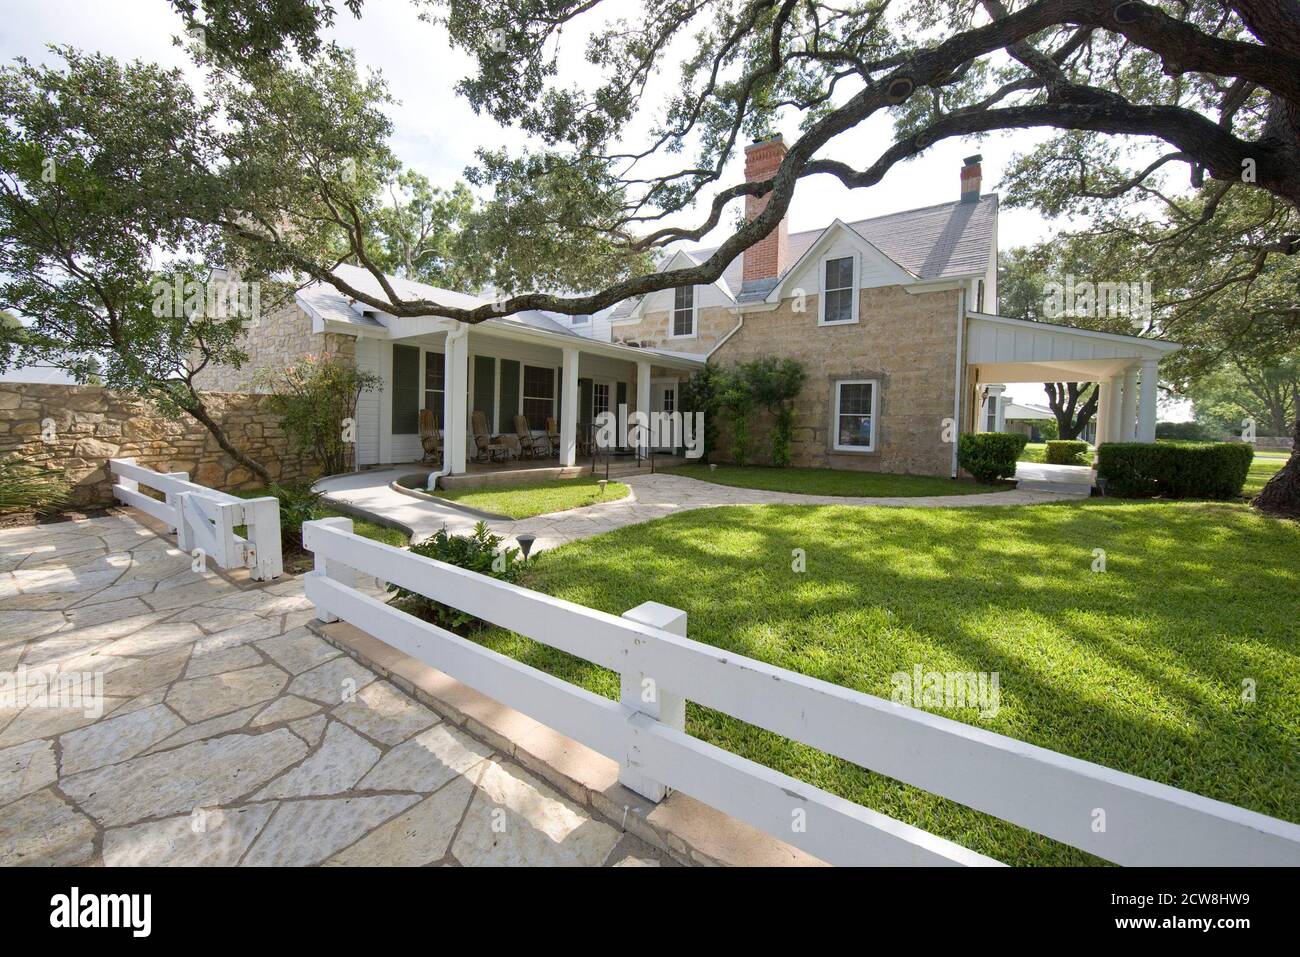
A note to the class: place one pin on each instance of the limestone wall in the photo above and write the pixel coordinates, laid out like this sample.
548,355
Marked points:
906,342
91,424
651,332
273,342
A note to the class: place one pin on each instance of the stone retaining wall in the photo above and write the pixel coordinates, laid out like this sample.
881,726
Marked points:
91,424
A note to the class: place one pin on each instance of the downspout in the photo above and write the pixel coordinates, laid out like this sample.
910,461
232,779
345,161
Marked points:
453,335
961,356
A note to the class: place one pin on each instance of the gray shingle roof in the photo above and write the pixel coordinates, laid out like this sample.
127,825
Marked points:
936,242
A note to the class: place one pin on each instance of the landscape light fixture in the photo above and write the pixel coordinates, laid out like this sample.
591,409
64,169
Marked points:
525,544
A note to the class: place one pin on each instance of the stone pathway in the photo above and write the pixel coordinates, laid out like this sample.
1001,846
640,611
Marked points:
653,496
216,729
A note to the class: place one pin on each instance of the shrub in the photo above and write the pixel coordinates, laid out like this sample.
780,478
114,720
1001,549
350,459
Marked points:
1067,452
990,455
1186,432
1174,469
480,552
298,504
775,384
26,488
314,398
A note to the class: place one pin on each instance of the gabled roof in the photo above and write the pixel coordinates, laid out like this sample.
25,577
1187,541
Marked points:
936,242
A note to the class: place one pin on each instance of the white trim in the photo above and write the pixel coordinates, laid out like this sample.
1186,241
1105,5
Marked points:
835,414
695,314
904,276
524,366
1160,345
854,290
957,383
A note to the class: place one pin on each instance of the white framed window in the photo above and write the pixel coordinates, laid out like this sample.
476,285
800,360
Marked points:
856,402
538,396
991,412
579,320
839,291
683,313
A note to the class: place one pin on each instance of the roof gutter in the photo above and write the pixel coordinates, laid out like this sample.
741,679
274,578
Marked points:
957,377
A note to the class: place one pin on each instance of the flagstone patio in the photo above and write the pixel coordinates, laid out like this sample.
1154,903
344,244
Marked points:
230,734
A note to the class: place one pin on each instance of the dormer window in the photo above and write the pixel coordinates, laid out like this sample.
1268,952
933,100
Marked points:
683,319
839,301
581,320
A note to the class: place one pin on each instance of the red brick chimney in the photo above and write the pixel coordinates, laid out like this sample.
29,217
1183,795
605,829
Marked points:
971,179
769,257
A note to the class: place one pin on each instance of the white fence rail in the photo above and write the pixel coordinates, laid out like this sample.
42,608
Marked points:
204,518
1064,798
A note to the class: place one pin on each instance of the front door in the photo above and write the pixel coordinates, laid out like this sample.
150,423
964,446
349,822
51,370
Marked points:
664,397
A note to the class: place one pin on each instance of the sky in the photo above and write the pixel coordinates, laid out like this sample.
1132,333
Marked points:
436,132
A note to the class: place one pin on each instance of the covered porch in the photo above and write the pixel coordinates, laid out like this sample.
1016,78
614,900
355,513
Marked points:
505,397
1001,351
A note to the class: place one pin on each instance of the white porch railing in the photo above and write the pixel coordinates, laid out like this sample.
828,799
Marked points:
204,518
1145,823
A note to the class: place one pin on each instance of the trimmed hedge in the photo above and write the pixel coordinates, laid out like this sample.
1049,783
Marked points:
1174,469
990,456
1067,452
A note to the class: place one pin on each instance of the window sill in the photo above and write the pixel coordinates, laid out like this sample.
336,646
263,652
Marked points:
853,450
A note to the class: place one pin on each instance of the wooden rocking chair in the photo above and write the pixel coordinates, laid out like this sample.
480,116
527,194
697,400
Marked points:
553,436
488,448
430,438
529,445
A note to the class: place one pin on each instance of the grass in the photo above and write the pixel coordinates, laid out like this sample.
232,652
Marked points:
1265,465
302,561
830,481
1034,452
1139,668
536,498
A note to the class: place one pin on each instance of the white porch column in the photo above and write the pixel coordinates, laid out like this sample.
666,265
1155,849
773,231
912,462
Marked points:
643,401
455,403
1128,412
1146,428
1113,431
1104,398
570,411
993,400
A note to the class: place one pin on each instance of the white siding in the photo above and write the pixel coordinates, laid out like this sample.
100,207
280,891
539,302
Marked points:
368,404
874,268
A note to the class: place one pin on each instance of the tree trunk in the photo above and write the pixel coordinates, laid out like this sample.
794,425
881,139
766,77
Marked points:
1281,496
200,412
1063,398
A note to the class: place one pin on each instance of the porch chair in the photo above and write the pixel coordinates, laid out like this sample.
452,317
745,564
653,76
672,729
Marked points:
488,448
430,437
553,436
529,445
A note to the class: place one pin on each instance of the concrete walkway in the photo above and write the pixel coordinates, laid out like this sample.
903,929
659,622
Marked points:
1076,480
652,496
195,720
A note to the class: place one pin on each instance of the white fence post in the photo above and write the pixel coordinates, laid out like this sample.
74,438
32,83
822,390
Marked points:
262,517
329,568
173,501
641,693
130,485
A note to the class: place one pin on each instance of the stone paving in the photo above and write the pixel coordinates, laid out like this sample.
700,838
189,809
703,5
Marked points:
652,496
221,731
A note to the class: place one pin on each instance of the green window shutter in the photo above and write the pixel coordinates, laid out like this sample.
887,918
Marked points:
485,387
406,390
584,401
509,395
559,395
620,397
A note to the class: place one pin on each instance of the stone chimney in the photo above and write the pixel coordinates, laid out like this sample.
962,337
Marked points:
769,257
971,178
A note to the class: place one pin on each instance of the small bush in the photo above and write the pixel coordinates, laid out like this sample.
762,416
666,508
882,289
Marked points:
26,488
1067,452
480,552
1174,469
990,456
298,504
1186,432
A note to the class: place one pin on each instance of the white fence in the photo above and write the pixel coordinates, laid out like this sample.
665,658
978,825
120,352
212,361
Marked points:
1116,816
205,518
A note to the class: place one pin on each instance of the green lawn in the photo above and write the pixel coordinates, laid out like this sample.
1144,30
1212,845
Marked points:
536,498
1261,470
1139,667
830,481
1034,452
